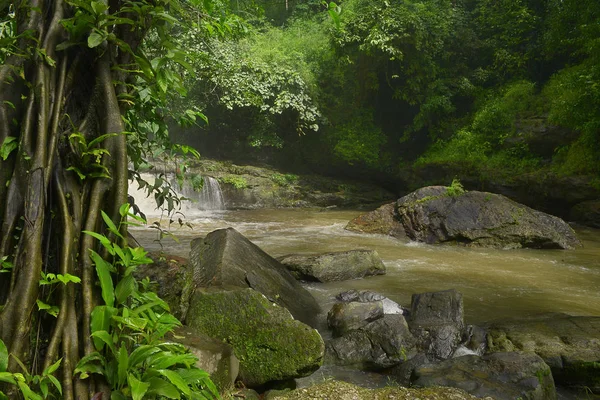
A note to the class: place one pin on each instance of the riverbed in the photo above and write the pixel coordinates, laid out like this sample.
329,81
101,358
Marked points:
495,283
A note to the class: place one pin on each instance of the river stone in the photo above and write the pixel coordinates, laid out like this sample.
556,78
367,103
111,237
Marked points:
383,221
570,345
214,356
502,376
226,257
336,266
473,218
269,343
346,317
366,296
437,322
339,390
170,278
380,344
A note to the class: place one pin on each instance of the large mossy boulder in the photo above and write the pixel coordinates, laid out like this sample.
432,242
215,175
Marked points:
439,214
339,390
335,266
269,343
214,356
226,258
570,345
502,376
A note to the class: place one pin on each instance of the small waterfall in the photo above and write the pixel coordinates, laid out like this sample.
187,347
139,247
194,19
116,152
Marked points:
209,198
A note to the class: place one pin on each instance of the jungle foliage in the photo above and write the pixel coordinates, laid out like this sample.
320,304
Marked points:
379,86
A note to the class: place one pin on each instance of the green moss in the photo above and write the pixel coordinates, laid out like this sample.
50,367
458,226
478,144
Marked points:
237,182
269,344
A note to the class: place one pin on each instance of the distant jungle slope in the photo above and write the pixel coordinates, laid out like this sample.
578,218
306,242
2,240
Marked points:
503,94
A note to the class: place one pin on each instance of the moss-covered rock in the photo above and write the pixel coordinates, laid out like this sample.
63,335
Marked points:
338,390
269,343
226,257
570,345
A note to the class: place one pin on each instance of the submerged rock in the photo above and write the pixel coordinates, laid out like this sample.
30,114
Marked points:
503,376
336,266
226,257
570,345
269,343
338,390
436,214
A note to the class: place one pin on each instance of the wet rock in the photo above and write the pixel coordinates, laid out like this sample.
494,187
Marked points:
214,356
366,296
437,322
474,342
269,343
170,278
346,317
336,266
339,390
226,257
383,221
503,376
570,345
380,344
433,215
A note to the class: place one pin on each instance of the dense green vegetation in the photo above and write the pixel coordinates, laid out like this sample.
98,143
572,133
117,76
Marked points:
479,88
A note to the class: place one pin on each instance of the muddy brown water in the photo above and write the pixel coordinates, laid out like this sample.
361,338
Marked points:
495,283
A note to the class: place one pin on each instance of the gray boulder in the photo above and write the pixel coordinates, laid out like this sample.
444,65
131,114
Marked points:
586,213
269,343
433,215
346,317
214,356
225,257
336,266
502,376
437,321
379,344
570,345
438,214
366,296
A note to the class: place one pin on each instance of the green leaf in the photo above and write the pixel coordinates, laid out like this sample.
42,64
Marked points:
100,321
160,387
123,364
98,7
111,226
66,278
9,144
140,354
124,289
27,392
7,377
95,38
3,357
103,240
106,338
56,383
134,323
176,380
106,283
138,388
50,370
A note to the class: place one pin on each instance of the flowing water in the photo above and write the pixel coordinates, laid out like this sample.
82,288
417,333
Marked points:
495,283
